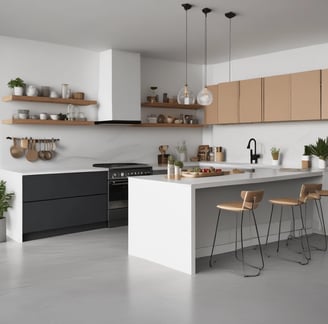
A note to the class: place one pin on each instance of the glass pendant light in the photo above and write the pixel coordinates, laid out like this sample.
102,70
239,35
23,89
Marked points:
205,96
185,95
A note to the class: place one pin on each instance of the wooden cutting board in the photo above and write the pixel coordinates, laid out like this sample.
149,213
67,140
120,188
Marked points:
190,174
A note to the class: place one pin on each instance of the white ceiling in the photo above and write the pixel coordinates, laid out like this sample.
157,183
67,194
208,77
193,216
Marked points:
156,28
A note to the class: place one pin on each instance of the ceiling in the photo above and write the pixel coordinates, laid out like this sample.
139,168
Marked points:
156,28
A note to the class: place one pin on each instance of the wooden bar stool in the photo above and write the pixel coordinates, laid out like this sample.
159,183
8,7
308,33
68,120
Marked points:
251,200
292,202
316,196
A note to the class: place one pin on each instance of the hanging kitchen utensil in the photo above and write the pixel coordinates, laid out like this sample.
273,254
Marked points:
16,151
41,151
32,154
47,153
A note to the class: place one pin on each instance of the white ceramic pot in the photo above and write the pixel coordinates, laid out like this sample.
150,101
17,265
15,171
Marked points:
3,229
18,91
322,164
275,162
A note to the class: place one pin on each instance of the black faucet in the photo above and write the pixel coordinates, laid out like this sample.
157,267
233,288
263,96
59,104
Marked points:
253,156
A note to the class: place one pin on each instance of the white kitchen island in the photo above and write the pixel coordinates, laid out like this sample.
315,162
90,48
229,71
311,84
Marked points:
172,222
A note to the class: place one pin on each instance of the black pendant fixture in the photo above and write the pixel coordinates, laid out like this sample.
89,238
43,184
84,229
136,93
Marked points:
185,95
205,96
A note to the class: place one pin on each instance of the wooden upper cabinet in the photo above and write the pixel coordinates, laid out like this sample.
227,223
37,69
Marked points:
305,95
228,102
276,102
250,101
211,111
324,94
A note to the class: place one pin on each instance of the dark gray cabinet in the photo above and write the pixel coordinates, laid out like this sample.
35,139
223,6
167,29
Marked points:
63,203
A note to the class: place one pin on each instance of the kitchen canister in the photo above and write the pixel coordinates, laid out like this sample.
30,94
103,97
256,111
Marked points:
65,90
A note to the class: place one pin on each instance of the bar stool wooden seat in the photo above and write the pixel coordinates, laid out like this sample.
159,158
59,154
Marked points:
251,200
316,196
306,189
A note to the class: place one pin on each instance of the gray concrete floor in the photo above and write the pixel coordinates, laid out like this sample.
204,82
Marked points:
88,278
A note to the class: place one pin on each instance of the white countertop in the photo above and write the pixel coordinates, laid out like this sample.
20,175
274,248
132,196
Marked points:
259,176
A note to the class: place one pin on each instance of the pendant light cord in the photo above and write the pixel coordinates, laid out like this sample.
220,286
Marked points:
229,50
186,83
205,11
230,15
205,72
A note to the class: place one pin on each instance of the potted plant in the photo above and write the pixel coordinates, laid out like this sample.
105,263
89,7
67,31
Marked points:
18,85
178,165
275,155
320,149
5,203
306,158
170,167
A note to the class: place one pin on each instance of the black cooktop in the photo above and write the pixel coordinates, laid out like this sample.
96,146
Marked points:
120,165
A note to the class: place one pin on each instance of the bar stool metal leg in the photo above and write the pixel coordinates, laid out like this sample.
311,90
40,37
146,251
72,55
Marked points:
259,240
322,223
280,219
308,258
216,230
267,237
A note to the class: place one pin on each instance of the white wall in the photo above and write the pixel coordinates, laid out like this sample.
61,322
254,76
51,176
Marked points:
290,137
41,63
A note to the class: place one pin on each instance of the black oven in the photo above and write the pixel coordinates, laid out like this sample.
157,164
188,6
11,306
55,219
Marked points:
118,174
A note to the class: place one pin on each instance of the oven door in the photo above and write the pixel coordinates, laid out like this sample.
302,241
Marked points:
118,194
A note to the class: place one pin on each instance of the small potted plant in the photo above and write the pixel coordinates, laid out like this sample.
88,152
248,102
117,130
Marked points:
170,167
5,203
178,165
275,155
17,85
306,158
320,149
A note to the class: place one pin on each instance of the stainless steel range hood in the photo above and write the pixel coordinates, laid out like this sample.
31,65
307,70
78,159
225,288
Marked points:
119,88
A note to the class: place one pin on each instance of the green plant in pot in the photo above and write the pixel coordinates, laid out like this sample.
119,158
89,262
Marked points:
5,204
320,149
18,85
275,153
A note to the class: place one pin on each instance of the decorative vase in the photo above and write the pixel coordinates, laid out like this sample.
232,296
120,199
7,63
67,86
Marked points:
3,229
182,156
322,164
18,91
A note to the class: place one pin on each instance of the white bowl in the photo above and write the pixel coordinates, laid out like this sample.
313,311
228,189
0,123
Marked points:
152,120
54,117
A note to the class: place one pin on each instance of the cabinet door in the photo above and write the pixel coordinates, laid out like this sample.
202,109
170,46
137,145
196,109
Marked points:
277,98
305,95
324,94
250,101
211,111
228,102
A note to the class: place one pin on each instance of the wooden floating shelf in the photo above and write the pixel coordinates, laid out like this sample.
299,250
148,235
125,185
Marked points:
163,125
47,122
169,105
78,102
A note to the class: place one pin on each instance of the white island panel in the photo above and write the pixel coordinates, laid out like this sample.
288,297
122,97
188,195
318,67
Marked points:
161,223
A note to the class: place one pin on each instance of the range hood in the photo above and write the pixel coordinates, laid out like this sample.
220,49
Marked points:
119,88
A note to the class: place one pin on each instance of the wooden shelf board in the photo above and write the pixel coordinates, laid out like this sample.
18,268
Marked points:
169,105
47,122
77,102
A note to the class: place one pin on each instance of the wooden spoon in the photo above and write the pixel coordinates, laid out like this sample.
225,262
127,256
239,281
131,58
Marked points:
16,151
32,154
